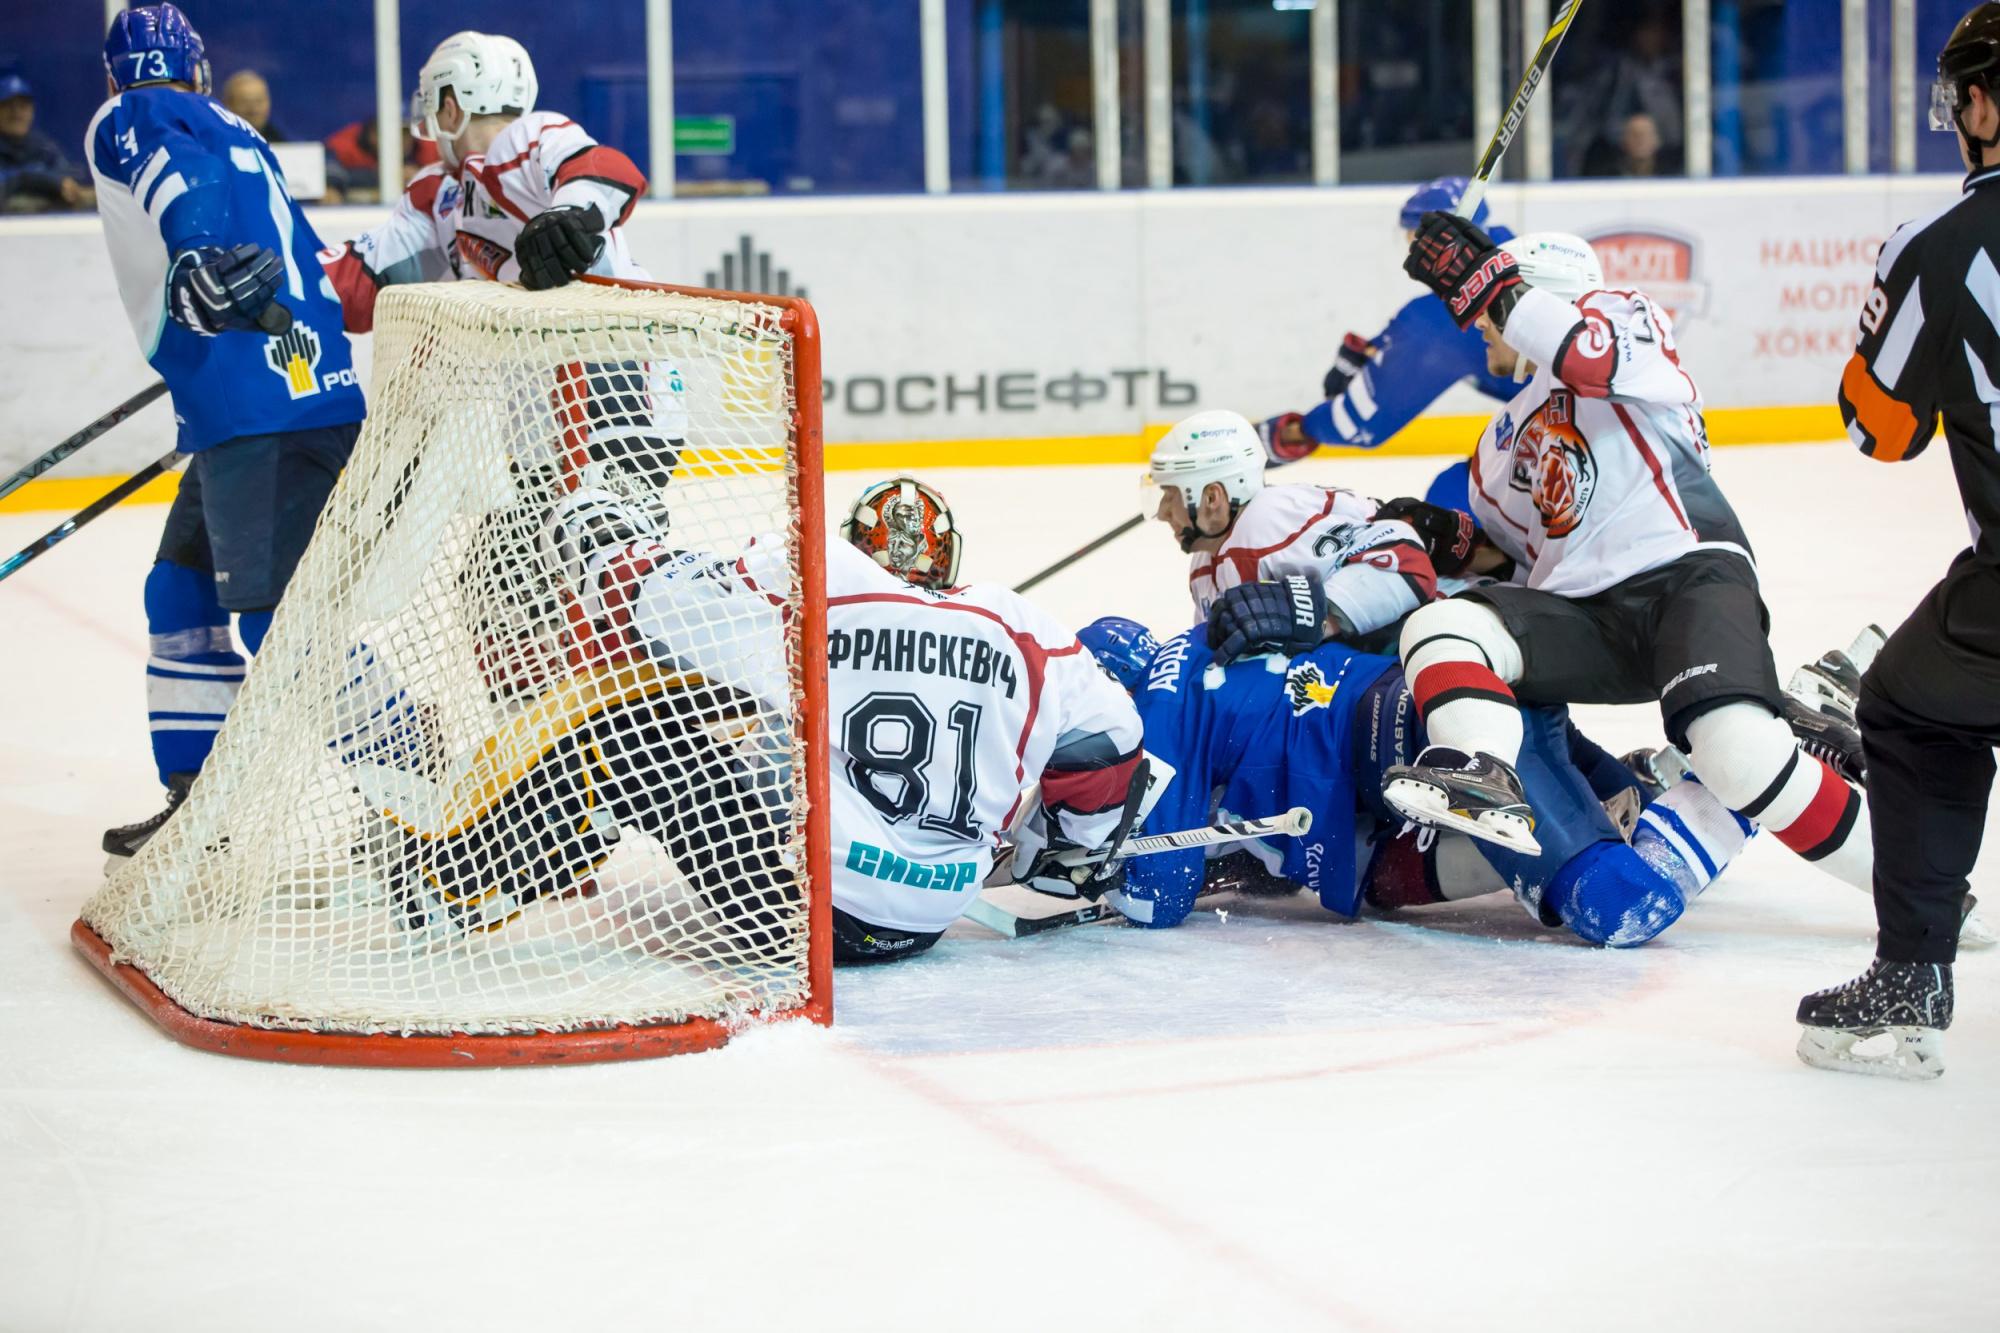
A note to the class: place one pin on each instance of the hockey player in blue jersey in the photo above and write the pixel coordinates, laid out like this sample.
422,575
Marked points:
220,278
1265,734
1379,385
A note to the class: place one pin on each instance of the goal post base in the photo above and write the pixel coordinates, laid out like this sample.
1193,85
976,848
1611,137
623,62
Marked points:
383,1050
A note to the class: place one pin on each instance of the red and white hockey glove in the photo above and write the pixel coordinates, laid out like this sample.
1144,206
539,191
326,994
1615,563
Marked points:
1285,439
1355,353
1470,274
1449,535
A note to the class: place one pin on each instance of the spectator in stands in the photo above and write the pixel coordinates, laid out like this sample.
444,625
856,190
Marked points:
1638,151
1597,108
246,93
352,166
34,174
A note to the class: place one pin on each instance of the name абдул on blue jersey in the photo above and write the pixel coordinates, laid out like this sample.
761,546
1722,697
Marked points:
177,171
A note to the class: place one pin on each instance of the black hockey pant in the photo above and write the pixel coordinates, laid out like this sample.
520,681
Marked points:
1930,717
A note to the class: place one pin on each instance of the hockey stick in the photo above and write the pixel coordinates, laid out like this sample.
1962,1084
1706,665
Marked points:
82,437
1295,822
1517,110
1080,552
88,512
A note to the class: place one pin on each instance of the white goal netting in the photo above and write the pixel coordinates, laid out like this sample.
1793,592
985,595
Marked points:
457,796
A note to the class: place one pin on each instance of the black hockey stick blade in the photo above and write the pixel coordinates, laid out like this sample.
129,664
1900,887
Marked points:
85,436
110,499
1517,110
1080,552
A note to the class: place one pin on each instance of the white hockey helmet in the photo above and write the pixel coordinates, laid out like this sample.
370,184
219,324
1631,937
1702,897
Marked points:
1219,446
1556,262
488,74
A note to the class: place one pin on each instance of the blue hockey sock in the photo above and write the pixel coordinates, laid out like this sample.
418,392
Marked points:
192,670
251,627
1687,833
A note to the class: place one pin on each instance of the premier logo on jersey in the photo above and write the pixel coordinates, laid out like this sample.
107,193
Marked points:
293,356
1307,687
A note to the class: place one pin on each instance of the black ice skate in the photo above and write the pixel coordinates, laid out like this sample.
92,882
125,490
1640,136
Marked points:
1833,683
1890,1021
1475,794
124,841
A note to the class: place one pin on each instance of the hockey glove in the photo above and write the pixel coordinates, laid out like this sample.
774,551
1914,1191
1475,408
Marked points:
1354,353
211,290
1285,440
1058,865
558,244
1449,535
1286,617
1471,275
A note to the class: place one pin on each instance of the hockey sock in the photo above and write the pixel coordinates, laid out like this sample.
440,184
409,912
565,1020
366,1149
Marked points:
1689,836
193,669
251,627
1610,895
1458,657
1462,702
1748,757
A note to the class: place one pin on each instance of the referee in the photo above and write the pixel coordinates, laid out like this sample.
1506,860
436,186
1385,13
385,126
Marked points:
1929,353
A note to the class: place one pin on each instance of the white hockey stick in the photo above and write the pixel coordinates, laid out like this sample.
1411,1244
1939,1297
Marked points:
1293,823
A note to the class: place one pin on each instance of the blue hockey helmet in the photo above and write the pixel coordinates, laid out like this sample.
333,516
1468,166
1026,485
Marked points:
1439,196
1124,648
155,44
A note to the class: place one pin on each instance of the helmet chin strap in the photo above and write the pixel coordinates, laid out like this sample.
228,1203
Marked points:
1192,533
1976,148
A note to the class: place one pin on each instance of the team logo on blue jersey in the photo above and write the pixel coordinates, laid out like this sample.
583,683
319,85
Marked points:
293,356
1307,687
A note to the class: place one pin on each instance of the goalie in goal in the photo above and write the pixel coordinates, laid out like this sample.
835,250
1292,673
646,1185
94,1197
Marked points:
949,707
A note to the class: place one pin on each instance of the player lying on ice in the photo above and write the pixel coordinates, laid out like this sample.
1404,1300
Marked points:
1318,730
947,705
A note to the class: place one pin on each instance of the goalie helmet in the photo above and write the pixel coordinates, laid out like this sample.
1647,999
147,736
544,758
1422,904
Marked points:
1557,263
155,44
488,75
905,527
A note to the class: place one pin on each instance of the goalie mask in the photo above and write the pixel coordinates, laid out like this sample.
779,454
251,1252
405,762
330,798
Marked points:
905,527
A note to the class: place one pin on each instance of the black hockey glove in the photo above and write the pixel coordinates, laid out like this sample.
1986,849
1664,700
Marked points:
1471,275
1285,439
558,244
1449,535
1287,617
211,290
1355,352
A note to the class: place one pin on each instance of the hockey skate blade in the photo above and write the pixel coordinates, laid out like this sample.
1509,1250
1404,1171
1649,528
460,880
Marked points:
1910,1053
1423,804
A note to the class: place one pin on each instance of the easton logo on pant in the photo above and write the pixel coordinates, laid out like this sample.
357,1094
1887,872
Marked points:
880,863
293,356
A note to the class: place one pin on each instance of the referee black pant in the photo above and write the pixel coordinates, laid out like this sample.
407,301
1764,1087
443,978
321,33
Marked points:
1930,717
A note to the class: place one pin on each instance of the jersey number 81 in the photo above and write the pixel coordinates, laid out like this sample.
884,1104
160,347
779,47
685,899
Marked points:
888,741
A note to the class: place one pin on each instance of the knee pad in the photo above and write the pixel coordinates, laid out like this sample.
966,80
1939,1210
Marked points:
1741,751
1608,895
1459,629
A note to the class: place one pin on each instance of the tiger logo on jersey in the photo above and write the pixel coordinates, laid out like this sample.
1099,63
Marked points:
1565,474
1307,687
293,356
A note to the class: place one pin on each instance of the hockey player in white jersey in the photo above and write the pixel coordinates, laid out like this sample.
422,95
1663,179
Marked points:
1624,582
520,195
1280,568
947,705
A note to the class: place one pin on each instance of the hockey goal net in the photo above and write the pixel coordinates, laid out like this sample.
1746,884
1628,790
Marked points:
455,817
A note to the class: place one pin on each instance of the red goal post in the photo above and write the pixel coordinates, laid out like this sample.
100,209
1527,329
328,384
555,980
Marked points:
232,932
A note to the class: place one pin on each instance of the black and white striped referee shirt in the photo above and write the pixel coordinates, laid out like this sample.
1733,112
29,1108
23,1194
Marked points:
1930,351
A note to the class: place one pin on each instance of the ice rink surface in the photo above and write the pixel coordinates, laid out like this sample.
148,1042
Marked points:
1266,1119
